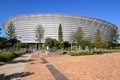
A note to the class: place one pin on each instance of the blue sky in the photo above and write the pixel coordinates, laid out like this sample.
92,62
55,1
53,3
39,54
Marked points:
108,10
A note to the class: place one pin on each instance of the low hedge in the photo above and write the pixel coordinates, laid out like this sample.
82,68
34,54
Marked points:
75,53
6,56
78,53
17,53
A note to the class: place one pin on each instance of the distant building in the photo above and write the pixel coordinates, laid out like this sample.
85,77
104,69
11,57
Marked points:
25,26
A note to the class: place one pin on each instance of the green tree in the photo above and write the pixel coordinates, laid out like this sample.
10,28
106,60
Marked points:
77,36
52,43
10,31
39,33
49,42
89,43
114,35
100,43
104,44
97,39
60,35
4,43
66,45
56,44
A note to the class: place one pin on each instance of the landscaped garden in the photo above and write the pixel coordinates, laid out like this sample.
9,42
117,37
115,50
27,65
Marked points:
78,45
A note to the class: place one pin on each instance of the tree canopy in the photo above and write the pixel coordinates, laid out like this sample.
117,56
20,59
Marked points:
39,32
77,36
114,34
52,43
60,34
10,31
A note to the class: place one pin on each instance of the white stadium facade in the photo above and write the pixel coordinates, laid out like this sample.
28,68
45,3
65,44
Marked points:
25,26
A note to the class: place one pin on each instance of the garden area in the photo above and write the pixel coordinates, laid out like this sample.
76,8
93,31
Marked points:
10,49
78,44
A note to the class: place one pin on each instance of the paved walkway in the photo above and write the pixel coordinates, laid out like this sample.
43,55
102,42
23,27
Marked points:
56,73
42,69
13,70
64,67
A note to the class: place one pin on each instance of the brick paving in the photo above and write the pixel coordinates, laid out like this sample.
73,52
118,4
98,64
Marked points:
91,67
56,73
38,67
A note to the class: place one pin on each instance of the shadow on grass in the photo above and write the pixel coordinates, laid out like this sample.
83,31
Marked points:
15,76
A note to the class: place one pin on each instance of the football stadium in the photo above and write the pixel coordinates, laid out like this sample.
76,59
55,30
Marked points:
25,26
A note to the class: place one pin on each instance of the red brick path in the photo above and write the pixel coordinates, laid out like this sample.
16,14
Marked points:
92,67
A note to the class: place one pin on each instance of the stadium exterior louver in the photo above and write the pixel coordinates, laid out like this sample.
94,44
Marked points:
25,26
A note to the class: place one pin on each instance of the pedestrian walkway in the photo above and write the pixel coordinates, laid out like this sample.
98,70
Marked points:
13,70
42,69
38,68
56,73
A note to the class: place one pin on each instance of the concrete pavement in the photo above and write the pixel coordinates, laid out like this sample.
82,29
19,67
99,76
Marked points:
13,70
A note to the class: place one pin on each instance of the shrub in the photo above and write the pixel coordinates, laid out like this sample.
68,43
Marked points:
64,52
109,51
98,52
6,56
78,53
101,52
74,47
18,53
28,51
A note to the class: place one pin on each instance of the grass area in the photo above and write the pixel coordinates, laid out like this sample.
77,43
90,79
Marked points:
6,56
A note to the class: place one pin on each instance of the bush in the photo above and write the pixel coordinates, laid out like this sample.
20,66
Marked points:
109,51
17,53
28,51
78,53
102,52
75,53
6,56
98,52
64,52
74,47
